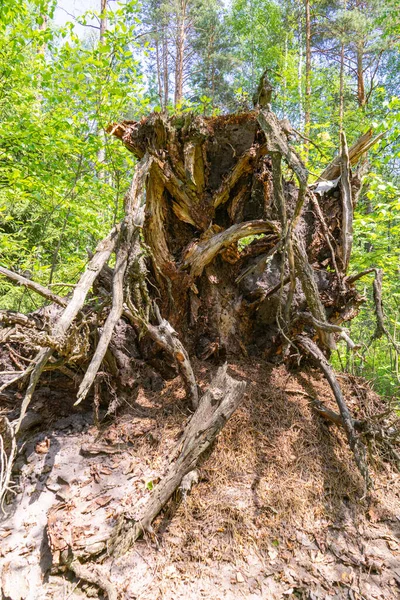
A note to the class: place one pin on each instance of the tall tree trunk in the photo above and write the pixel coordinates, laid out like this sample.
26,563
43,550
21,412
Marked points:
307,103
101,154
103,19
300,74
180,50
361,97
285,68
165,66
341,88
159,70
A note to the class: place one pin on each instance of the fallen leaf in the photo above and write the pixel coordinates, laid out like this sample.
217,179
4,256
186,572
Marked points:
43,446
373,515
99,502
239,577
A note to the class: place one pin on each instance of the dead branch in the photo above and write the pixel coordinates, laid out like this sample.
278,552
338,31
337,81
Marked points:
36,368
32,285
215,408
202,253
16,318
331,328
166,336
134,210
353,278
384,436
8,451
356,151
305,274
326,231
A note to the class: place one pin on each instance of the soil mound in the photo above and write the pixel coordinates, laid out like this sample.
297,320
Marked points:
278,510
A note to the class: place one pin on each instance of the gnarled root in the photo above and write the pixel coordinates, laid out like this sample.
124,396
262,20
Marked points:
215,408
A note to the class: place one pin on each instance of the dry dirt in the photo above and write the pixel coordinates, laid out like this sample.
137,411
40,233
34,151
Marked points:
278,511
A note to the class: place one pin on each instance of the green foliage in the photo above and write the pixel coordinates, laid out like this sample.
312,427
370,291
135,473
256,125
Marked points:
62,179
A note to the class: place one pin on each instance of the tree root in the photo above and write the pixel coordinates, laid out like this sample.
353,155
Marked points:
355,443
94,576
385,436
215,408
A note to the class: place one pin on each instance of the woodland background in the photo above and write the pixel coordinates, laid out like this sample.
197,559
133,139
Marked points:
63,178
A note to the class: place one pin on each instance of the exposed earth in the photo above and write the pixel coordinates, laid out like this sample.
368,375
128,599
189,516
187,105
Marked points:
279,509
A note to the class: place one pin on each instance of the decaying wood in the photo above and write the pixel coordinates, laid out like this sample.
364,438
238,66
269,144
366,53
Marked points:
93,575
202,253
77,301
8,451
201,186
242,166
67,317
277,142
215,408
165,335
356,151
327,234
347,203
306,276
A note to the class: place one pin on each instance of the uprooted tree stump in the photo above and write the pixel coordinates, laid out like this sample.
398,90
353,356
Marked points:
224,249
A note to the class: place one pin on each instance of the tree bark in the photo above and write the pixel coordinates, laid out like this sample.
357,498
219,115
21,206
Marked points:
307,103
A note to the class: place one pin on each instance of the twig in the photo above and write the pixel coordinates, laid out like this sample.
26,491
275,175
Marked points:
6,462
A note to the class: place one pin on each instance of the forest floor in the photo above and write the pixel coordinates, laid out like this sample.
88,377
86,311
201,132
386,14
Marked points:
278,511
